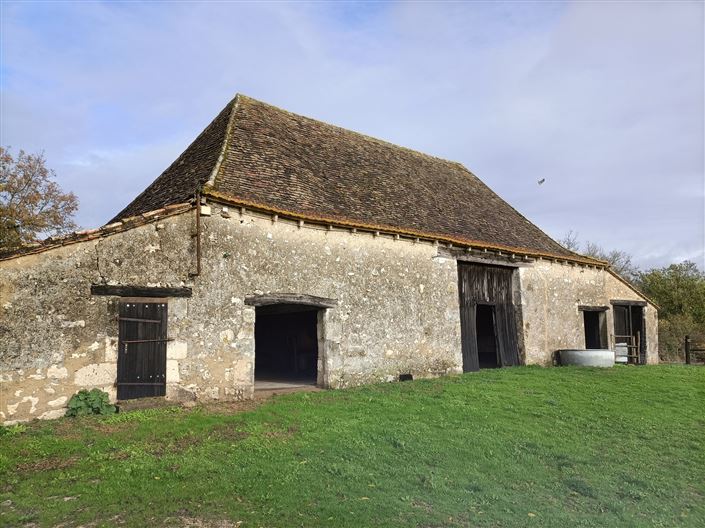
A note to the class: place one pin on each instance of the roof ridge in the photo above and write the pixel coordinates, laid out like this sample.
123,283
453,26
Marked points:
349,131
226,143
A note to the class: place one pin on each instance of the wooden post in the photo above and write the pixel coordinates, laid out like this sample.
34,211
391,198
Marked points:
687,350
198,235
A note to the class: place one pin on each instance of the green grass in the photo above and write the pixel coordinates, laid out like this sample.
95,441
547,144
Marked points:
563,447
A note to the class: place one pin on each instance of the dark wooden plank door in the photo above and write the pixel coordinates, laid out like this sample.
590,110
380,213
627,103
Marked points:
490,285
468,334
142,350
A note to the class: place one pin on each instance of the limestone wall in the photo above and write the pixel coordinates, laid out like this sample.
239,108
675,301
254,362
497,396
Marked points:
397,308
550,296
397,301
56,338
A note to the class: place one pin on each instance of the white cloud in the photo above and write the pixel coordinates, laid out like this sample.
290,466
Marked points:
604,100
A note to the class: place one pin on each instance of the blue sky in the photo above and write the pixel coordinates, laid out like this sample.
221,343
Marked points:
603,100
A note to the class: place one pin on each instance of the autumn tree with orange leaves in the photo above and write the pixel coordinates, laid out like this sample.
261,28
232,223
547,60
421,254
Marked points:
32,205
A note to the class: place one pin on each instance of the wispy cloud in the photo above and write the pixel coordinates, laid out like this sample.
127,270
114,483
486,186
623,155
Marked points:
604,100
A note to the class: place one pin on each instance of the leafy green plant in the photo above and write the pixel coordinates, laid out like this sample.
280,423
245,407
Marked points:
11,430
86,402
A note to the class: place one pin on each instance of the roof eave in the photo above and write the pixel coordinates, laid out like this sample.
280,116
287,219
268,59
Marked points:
229,199
118,226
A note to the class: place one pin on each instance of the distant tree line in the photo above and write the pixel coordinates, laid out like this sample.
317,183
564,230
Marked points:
677,289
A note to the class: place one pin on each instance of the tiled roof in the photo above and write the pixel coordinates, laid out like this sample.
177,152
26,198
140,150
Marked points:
256,154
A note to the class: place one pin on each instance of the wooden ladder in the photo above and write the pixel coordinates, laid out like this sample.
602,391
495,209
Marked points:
633,346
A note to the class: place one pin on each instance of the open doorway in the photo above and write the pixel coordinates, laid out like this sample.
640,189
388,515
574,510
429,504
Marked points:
286,345
486,336
629,332
488,330
595,322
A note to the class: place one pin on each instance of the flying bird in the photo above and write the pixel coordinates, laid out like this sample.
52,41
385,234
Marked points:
541,181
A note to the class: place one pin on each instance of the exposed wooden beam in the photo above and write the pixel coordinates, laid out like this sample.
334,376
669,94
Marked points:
140,291
628,302
290,298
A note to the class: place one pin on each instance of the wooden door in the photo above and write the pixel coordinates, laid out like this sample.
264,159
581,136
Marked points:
142,349
482,284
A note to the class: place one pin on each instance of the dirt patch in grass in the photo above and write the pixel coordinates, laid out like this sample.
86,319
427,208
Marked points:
47,464
120,455
231,407
109,428
179,445
66,429
194,522
230,432
282,433
423,505
115,520
78,428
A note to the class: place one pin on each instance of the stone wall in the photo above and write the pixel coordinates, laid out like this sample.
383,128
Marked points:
397,308
550,296
56,338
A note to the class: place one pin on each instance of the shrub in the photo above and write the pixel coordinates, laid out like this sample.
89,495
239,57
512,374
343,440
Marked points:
86,402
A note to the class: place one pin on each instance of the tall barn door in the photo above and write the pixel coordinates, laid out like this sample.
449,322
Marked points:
487,320
142,350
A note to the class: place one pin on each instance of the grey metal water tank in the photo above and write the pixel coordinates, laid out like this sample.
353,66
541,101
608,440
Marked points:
587,358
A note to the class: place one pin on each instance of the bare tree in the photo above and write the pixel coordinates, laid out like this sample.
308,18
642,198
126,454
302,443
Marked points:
570,241
619,261
32,204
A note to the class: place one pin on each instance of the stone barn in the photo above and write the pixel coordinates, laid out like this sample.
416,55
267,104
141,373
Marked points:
279,250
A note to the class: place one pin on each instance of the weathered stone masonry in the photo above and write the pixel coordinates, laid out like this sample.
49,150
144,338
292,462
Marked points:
551,294
397,307
57,338
366,230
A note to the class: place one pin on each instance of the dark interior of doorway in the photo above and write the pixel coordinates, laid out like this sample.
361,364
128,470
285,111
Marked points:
486,336
595,329
629,331
286,343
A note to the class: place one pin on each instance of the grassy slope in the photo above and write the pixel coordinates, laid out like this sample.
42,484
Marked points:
513,447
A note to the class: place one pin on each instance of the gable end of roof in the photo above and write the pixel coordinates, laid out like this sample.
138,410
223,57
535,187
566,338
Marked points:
191,170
